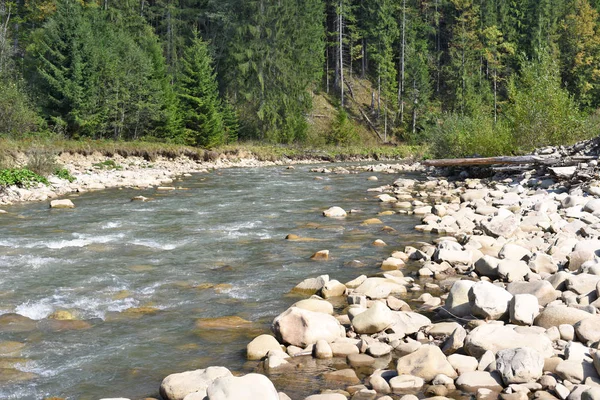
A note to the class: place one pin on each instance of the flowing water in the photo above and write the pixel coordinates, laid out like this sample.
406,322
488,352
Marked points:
138,276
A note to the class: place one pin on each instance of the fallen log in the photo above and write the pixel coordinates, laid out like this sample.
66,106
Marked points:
456,162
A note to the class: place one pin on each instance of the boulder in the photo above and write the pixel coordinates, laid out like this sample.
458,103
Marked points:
177,386
487,266
392,264
471,382
64,203
311,285
379,288
543,290
588,330
300,327
316,305
322,350
542,263
489,301
462,363
582,283
523,308
334,212
404,384
499,337
513,270
512,251
333,288
326,396
426,362
457,302
519,365
407,322
501,226
321,255
247,387
373,320
555,315
258,348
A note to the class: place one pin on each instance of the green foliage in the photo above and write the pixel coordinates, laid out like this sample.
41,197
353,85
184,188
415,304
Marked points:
541,112
463,136
343,131
17,116
21,177
41,161
64,173
108,165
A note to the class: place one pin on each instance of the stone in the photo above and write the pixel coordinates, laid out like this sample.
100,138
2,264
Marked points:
588,330
322,350
543,290
334,212
487,266
489,301
247,387
501,226
455,341
519,365
364,394
453,256
326,396
426,362
321,255
403,384
542,263
582,283
567,332
311,285
64,203
300,327
316,305
379,288
333,288
512,251
575,371
472,381
555,315
457,303
523,308
343,349
379,349
513,270
499,337
360,360
258,348
392,264
386,198
462,363
373,320
407,323
345,376
177,386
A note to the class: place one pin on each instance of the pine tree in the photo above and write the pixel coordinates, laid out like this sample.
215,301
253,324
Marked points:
199,97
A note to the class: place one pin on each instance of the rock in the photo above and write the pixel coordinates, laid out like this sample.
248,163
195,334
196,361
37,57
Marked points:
333,288
177,386
501,226
499,337
379,384
407,323
247,387
346,376
588,330
341,349
379,349
582,283
575,371
379,288
519,365
543,290
567,332
542,263
326,396
403,384
316,305
442,329
386,198
455,341
311,285
14,323
472,381
463,363
488,300
511,251
258,348
457,302
276,359
64,203
523,308
487,266
512,270
321,255
322,350
373,320
300,327
555,315
392,264
360,360
453,256
334,212
426,362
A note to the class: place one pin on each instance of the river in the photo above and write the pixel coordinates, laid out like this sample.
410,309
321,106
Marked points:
139,275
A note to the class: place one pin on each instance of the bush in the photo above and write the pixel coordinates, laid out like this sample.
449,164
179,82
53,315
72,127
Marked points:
41,161
108,164
463,136
343,131
64,173
17,117
21,177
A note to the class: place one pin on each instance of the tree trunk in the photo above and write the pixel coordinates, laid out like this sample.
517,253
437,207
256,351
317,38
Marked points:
341,21
402,53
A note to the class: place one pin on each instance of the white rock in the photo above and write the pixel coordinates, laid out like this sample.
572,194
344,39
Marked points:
373,320
300,327
247,387
177,386
519,365
334,212
488,300
523,309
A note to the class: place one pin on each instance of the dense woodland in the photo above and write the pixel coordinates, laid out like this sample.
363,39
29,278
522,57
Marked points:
472,76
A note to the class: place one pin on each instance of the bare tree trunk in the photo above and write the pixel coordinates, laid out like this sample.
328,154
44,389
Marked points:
402,53
495,96
341,21
327,70
415,102
364,58
105,5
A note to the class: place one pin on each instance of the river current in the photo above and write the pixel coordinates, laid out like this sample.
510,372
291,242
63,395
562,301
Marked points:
140,275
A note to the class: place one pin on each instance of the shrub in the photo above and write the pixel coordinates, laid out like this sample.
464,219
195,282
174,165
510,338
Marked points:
108,164
343,131
17,117
21,177
41,161
64,173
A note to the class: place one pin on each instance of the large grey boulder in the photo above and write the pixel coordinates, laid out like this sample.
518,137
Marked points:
519,365
177,386
457,302
499,337
489,301
487,266
588,330
300,327
373,320
543,290
582,283
247,387
555,315
426,362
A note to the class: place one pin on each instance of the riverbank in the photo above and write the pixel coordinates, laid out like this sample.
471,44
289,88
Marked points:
508,293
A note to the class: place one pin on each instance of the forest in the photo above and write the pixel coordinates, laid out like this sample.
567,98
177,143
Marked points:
464,76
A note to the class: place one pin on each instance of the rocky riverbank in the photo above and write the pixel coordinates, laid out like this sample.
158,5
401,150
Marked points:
508,295
97,172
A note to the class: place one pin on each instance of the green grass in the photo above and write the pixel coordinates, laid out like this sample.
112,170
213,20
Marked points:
20,177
